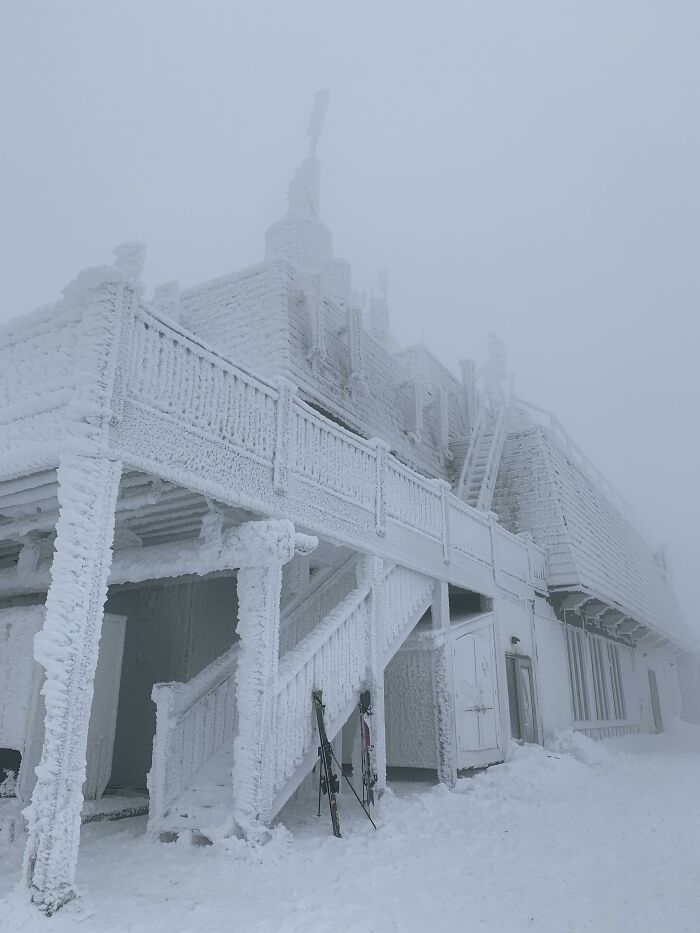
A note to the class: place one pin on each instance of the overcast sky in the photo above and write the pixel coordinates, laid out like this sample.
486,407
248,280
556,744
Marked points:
528,168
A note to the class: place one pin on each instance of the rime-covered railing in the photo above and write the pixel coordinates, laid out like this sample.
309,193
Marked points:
193,721
304,615
404,595
538,565
171,372
510,554
335,657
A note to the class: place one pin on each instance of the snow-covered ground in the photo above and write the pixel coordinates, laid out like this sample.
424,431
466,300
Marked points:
584,836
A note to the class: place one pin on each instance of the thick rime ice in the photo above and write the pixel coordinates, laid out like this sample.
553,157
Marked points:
259,591
443,686
67,648
103,377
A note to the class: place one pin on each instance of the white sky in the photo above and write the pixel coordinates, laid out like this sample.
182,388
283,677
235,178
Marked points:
527,168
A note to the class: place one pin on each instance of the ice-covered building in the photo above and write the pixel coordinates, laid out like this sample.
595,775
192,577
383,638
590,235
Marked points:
216,500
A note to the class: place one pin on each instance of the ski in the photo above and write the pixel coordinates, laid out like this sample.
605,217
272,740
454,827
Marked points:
328,781
369,776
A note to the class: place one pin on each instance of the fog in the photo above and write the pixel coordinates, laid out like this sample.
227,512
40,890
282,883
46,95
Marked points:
524,168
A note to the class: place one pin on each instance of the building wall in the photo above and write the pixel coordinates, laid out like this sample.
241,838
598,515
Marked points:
380,404
591,545
689,681
410,710
261,320
245,316
552,670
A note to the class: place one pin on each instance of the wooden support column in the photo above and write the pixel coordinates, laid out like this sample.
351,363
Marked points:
443,687
268,546
67,647
372,572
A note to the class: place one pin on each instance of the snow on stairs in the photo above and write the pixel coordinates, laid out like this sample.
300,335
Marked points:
480,466
190,777
190,780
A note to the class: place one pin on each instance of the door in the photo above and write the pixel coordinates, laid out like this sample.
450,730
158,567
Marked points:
476,698
521,700
526,700
655,702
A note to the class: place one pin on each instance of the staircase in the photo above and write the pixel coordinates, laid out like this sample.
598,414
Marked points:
477,479
324,642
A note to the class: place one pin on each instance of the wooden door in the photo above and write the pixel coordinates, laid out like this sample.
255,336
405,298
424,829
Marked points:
476,699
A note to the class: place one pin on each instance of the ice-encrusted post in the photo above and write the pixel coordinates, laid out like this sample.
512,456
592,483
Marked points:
284,434
493,530
371,573
444,490
381,452
443,688
67,647
468,368
267,546
444,421
355,341
316,315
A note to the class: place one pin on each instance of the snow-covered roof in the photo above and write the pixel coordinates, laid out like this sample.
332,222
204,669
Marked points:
592,547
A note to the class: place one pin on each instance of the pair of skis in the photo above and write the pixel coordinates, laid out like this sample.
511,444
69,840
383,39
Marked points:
328,783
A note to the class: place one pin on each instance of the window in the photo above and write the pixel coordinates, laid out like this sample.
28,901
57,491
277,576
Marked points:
616,681
600,684
577,674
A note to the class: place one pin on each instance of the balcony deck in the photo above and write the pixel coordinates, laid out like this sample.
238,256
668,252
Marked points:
179,410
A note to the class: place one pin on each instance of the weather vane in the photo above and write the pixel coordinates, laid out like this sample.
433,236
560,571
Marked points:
318,115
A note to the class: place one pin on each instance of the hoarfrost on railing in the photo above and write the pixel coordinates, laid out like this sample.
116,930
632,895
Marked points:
173,373
331,658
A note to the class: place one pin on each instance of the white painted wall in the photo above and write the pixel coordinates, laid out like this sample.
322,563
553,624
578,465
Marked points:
410,710
689,678
552,670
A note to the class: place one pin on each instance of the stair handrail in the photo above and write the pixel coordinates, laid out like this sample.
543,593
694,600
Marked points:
303,604
176,703
296,746
295,659
467,464
488,483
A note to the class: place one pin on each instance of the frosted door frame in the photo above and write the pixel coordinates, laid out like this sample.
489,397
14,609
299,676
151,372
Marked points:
521,698
657,718
478,730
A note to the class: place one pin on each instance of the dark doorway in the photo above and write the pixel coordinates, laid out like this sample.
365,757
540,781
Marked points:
10,761
521,698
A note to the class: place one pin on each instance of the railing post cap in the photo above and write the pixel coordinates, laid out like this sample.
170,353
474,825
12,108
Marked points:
525,536
284,384
441,483
379,443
